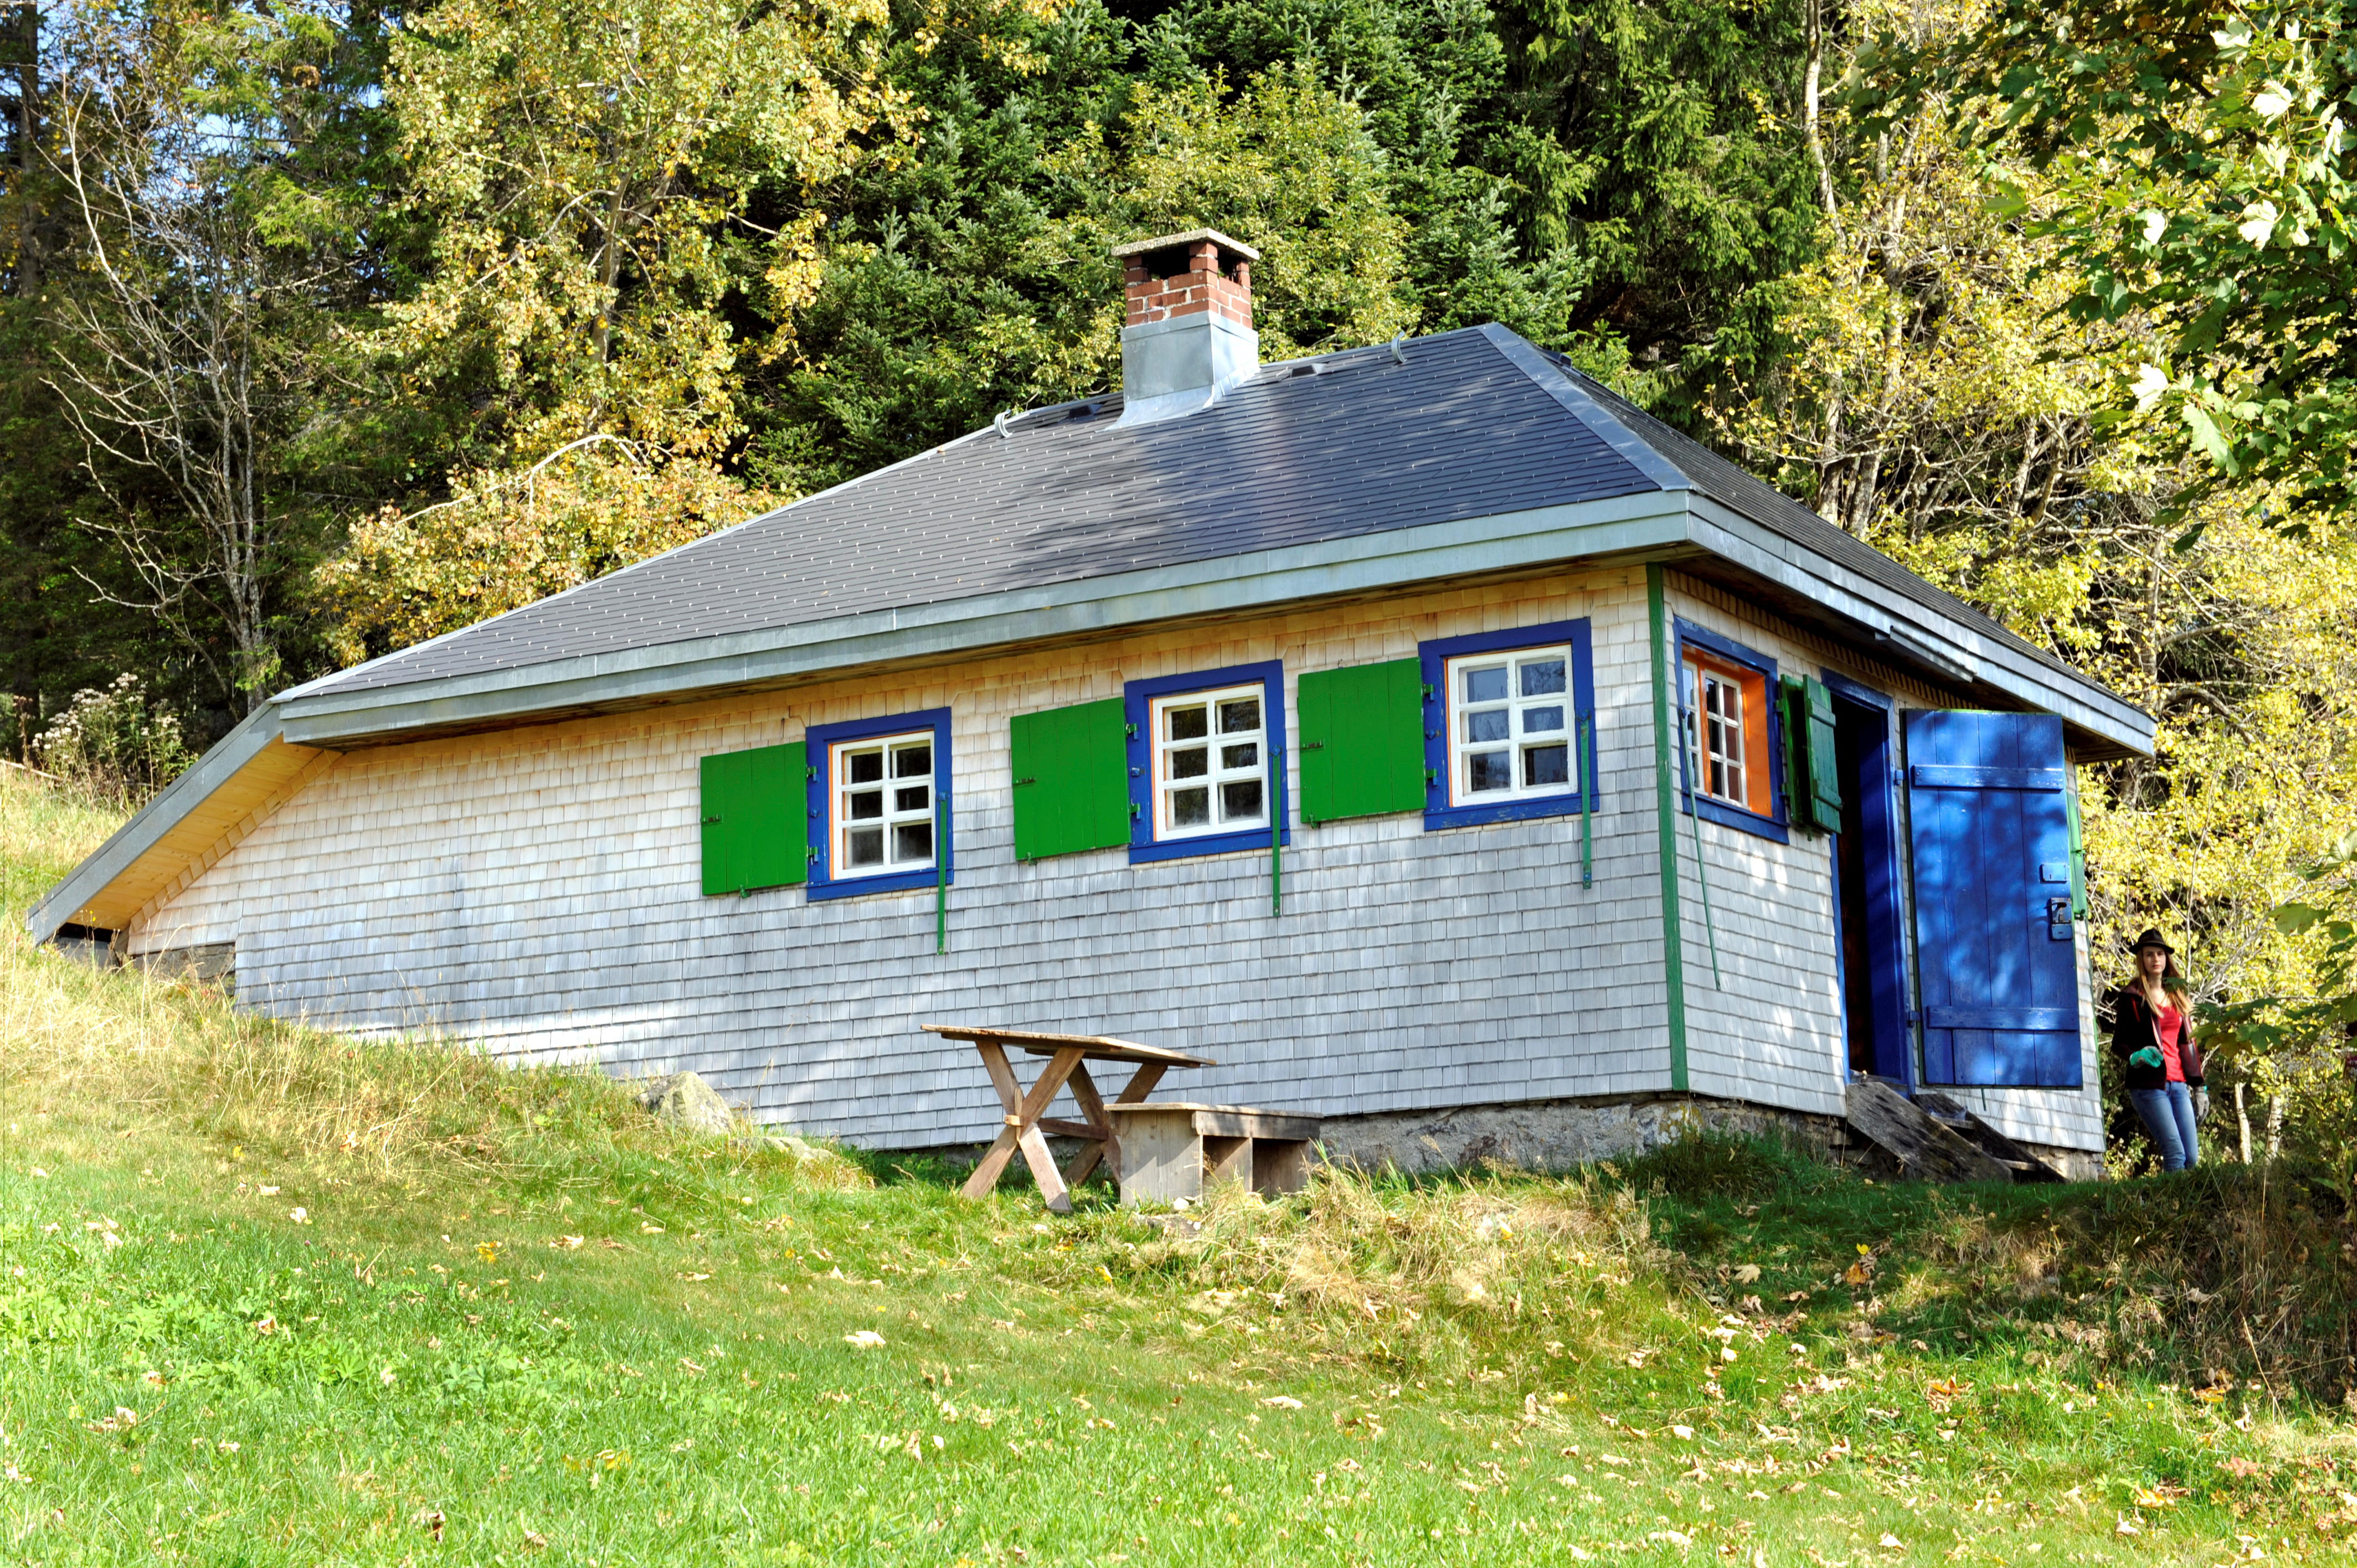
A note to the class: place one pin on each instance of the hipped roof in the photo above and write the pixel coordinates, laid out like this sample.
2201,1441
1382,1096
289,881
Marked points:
1465,453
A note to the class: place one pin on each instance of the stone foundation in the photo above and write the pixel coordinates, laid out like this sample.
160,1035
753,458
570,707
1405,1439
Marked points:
1560,1134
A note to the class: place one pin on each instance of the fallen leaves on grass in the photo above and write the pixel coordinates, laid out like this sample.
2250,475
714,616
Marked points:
864,1340
567,1243
124,1419
1282,1402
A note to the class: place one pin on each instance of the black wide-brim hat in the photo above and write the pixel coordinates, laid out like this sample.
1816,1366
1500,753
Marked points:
2152,939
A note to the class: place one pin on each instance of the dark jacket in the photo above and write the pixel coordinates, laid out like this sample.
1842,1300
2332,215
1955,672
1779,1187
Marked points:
2133,1028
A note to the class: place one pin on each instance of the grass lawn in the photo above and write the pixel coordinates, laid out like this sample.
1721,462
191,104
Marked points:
266,1296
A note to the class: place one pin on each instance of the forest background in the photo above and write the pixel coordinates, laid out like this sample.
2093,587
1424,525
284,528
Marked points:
326,327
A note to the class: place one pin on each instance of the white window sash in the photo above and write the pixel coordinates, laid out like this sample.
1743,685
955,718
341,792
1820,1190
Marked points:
1216,745
1720,758
892,815
1520,742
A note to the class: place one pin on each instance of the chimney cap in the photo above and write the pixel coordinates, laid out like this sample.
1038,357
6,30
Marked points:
1164,242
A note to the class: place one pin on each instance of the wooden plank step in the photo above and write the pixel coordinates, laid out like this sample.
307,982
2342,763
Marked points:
2025,1165
1922,1145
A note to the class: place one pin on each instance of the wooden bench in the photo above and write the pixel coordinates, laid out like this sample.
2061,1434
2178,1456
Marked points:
1171,1152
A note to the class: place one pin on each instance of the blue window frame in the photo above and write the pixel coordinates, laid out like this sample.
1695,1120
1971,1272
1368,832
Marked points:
1728,729
1206,762
1498,744
880,805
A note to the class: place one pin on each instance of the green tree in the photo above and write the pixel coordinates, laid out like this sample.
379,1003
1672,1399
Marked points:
206,240
2203,172
976,275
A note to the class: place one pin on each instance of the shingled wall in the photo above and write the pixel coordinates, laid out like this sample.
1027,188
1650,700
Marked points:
537,890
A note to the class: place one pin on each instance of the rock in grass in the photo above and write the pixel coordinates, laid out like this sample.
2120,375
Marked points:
686,1102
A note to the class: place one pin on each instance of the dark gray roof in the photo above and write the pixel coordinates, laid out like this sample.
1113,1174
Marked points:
1466,424
1354,443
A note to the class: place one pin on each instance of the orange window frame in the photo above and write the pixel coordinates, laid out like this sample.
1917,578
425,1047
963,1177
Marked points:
1759,778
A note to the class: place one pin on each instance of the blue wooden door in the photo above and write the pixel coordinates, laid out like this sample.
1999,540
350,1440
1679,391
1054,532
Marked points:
1991,846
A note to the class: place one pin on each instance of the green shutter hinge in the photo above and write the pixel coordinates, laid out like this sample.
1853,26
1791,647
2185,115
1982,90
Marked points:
709,821
1020,782
1427,692
1129,731
1132,810
1313,746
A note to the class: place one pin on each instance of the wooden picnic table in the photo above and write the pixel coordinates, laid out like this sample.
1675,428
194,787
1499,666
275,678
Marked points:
1068,1064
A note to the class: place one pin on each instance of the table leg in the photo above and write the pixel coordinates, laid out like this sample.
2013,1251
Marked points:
1084,1091
1002,1149
1033,1142
1141,1083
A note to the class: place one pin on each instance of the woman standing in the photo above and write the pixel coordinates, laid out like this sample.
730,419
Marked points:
2152,1032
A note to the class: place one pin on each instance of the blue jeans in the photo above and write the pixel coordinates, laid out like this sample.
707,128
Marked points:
2168,1115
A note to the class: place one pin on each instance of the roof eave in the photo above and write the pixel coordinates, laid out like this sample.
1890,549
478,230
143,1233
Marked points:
88,882
2102,724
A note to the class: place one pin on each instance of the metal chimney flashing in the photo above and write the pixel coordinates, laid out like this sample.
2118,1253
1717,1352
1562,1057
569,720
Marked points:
1181,364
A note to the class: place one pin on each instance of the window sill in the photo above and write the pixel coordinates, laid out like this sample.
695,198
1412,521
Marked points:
890,882
1435,817
1209,843
1736,817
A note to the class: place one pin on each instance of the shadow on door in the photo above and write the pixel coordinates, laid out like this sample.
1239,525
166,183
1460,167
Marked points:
1866,862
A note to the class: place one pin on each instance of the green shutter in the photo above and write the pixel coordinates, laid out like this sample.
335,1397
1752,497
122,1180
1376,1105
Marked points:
2078,842
1825,766
755,819
1793,700
1071,780
1361,741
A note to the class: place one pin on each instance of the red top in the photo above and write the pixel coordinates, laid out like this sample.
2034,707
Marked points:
2169,1024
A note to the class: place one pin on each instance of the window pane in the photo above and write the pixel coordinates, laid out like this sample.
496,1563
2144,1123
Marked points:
1244,756
1190,807
1495,724
912,762
1547,765
912,841
1240,799
1541,721
865,804
1184,724
1240,716
1191,763
914,800
864,847
1486,685
1543,678
1490,770
866,767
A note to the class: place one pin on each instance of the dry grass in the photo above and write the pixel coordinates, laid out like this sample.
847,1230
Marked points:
2221,1275
125,1047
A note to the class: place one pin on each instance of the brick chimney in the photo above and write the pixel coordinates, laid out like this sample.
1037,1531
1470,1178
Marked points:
1189,335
